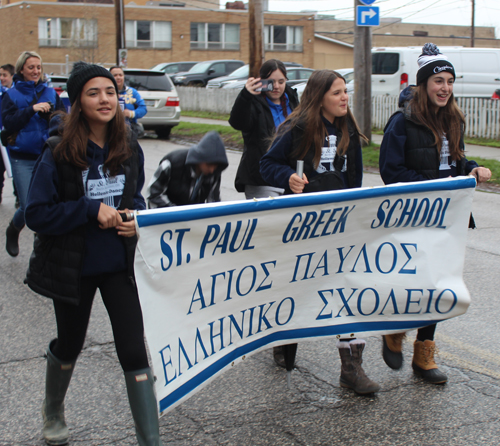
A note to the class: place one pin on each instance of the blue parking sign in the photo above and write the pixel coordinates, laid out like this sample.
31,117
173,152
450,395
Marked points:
367,16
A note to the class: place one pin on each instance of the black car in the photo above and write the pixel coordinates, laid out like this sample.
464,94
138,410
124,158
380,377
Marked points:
241,73
202,72
172,68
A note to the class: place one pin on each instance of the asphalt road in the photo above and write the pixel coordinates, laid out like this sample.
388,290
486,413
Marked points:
250,405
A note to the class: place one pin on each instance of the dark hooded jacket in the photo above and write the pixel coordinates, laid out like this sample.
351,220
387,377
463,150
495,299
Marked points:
251,114
62,208
177,181
408,151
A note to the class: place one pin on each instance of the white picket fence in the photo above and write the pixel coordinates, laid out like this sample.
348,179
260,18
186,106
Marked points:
482,115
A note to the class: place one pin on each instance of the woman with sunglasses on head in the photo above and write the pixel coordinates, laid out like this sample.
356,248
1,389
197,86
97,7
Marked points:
85,185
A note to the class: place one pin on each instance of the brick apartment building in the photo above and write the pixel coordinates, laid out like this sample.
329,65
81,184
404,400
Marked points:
153,33
176,30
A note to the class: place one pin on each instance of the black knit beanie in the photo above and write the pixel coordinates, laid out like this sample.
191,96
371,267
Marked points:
431,61
81,73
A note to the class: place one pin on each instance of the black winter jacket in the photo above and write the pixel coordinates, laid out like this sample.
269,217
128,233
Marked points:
176,183
251,114
55,265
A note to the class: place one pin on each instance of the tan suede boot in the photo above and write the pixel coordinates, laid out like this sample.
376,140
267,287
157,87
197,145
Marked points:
392,350
423,362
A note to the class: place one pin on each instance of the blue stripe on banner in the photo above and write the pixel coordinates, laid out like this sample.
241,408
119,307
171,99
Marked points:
288,201
217,366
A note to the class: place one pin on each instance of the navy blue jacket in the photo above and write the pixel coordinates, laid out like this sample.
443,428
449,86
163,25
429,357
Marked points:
277,165
394,163
104,250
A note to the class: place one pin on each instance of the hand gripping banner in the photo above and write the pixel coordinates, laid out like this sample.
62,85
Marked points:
220,281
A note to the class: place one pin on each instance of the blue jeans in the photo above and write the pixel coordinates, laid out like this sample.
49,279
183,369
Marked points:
21,172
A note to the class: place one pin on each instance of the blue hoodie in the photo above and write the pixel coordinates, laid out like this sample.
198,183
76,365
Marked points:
18,116
133,101
104,249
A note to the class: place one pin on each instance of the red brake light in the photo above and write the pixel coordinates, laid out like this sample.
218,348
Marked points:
404,81
172,102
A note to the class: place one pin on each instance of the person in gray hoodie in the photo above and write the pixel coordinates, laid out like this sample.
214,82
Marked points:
189,176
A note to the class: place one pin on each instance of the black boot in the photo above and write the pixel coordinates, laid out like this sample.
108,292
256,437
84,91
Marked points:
12,242
279,356
144,408
352,374
57,381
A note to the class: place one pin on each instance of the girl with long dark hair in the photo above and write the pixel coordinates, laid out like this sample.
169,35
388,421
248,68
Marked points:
85,186
424,141
323,133
258,114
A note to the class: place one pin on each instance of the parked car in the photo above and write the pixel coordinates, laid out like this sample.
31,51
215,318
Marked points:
296,75
57,82
172,68
202,72
347,74
160,97
237,75
241,73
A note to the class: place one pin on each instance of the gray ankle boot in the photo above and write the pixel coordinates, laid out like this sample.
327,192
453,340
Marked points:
352,374
12,239
144,408
57,381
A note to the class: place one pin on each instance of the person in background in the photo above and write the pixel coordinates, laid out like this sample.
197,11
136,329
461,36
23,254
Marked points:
189,176
258,114
133,105
85,184
6,75
424,141
323,133
26,110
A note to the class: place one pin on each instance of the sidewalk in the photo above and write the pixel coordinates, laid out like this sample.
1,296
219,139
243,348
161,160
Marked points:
472,151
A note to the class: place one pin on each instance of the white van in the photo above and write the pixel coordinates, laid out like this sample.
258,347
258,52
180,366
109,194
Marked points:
477,69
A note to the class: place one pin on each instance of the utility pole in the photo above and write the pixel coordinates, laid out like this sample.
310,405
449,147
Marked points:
255,36
363,76
472,30
120,29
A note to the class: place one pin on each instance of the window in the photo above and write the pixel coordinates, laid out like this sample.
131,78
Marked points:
65,32
215,36
145,34
385,63
283,38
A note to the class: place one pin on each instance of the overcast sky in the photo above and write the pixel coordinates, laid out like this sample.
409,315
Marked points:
444,12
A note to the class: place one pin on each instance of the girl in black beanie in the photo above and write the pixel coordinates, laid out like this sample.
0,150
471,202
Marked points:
85,186
424,141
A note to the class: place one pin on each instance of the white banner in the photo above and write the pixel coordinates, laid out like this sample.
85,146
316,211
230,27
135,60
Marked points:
218,282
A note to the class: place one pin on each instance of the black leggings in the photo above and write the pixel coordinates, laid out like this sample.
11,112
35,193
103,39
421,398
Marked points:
426,333
122,303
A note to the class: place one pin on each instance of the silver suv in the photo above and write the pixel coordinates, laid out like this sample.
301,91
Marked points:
160,97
